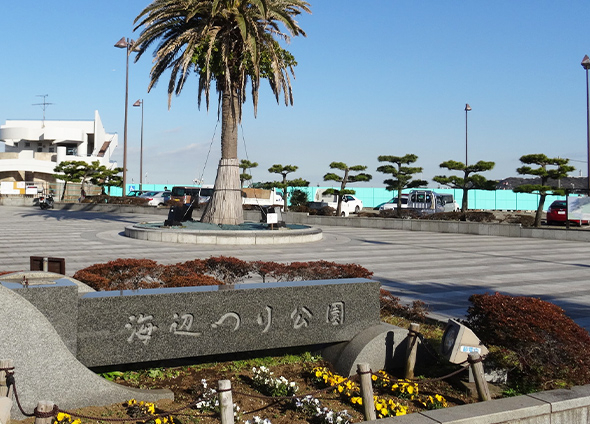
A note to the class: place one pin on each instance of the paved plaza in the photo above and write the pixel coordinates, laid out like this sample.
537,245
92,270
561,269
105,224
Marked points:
442,270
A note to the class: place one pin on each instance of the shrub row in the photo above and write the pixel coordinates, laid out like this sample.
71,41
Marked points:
551,350
391,305
132,274
115,200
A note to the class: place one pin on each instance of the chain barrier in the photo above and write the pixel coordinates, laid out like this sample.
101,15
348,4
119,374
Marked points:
276,399
430,350
427,346
141,418
10,382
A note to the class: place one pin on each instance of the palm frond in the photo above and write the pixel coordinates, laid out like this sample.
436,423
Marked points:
223,41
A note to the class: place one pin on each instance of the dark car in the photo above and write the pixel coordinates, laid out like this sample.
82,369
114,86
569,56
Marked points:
557,214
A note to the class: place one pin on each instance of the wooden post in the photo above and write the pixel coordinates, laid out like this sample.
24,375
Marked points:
5,407
4,363
225,401
481,384
364,372
411,349
44,406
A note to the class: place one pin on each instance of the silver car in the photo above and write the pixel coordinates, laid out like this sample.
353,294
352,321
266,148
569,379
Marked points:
392,204
157,198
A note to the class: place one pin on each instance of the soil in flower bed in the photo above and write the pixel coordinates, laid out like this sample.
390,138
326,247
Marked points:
185,382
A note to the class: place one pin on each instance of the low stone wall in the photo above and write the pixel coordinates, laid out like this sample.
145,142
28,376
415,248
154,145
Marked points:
17,201
553,406
486,229
111,208
187,236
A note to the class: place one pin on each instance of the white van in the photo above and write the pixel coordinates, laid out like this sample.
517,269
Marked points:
426,201
350,204
450,204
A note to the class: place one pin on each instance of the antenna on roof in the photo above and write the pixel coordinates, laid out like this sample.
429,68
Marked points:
44,104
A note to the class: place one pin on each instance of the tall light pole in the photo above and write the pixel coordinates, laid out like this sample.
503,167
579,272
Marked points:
137,104
467,109
127,44
586,66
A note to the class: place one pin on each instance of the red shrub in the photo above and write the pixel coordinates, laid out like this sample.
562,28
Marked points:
271,269
551,348
391,305
197,266
227,269
143,273
121,274
95,281
322,270
181,276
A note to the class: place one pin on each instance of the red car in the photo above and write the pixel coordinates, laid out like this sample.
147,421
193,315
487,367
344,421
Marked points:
557,214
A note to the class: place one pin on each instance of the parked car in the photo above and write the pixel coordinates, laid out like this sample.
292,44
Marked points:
426,201
450,204
557,214
354,203
350,204
191,195
157,198
392,203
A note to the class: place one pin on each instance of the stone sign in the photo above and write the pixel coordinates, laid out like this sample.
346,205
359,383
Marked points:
121,327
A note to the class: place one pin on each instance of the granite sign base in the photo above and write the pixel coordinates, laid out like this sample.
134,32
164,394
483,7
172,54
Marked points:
54,329
45,369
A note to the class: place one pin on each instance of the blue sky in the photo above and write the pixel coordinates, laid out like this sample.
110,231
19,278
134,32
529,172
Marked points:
377,77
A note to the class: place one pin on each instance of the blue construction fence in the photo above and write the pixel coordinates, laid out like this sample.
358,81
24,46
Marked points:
477,199
374,196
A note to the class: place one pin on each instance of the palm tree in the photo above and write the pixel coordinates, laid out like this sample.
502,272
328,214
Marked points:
227,42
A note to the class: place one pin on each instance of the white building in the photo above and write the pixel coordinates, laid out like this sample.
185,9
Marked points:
33,148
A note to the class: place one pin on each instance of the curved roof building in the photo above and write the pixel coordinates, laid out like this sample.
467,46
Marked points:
33,148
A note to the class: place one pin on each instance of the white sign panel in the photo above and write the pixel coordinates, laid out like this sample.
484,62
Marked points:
272,218
7,187
470,349
31,190
578,208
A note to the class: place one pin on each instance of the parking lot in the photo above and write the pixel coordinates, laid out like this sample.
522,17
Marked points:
442,270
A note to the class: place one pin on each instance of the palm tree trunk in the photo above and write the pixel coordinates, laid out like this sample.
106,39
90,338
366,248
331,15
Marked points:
225,205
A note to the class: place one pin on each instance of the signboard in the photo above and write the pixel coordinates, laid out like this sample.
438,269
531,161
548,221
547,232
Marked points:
272,218
578,208
10,187
31,189
470,349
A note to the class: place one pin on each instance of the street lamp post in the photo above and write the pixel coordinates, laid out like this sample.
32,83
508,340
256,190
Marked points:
127,44
137,104
467,109
586,66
